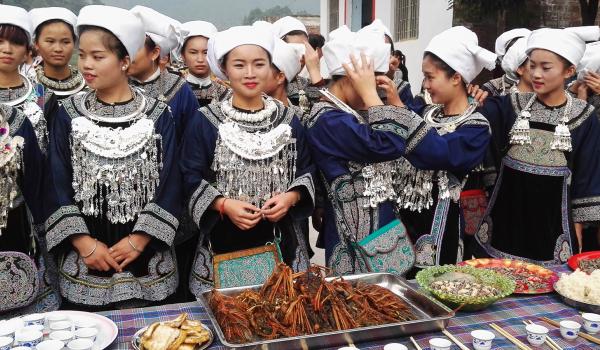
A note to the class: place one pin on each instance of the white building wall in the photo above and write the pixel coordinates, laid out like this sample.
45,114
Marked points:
434,17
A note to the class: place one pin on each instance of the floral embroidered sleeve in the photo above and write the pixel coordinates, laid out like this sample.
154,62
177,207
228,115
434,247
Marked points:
585,185
65,218
197,153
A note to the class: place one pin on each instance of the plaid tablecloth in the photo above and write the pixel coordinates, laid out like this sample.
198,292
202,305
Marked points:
508,314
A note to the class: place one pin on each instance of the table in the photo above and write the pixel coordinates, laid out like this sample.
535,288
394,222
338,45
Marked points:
507,313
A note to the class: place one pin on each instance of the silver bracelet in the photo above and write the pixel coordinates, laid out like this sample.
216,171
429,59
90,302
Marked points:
93,250
133,246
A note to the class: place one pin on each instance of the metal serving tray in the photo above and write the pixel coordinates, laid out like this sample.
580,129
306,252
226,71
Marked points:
433,316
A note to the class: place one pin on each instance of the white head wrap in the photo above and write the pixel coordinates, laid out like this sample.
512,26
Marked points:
590,61
378,26
514,58
163,30
568,43
343,43
196,28
287,59
44,14
288,24
16,16
458,47
223,42
123,24
506,37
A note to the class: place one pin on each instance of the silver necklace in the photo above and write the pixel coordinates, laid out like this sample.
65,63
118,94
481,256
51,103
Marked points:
17,101
137,114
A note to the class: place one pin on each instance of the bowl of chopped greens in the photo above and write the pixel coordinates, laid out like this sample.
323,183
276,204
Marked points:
465,287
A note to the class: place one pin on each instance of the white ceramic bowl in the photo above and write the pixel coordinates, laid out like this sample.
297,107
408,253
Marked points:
569,329
394,346
28,338
50,345
6,343
84,323
8,328
86,333
55,317
591,322
63,336
440,344
80,344
536,334
61,326
482,339
33,327
32,319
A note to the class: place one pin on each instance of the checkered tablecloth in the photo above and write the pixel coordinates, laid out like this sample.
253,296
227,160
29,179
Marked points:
508,314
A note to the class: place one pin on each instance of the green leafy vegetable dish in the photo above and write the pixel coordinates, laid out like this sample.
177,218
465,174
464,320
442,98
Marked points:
466,287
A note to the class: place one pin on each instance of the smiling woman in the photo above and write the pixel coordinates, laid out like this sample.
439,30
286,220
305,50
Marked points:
252,149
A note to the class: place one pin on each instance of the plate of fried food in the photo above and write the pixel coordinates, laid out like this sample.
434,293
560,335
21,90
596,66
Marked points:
178,334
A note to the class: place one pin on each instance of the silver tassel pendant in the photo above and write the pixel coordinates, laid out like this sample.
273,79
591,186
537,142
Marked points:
562,139
519,134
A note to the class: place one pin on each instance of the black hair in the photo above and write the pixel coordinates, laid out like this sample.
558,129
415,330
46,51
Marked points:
293,33
38,30
277,70
399,55
110,41
150,45
14,34
316,41
187,40
440,64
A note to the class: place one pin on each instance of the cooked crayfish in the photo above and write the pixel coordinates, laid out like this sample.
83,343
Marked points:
292,304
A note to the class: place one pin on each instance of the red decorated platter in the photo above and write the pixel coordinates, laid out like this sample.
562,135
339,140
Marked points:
575,261
530,278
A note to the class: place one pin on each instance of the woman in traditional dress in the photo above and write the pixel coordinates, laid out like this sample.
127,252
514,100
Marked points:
587,85
22,262
546,145
161,37
501,86
115,194
193,53
16,89
245,164
437,212
54,39
359,153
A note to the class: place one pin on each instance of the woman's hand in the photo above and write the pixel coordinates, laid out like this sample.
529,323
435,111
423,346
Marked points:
124,253
362,78
100,259
386,84
478,94
278,206
243,215
592,80
312,63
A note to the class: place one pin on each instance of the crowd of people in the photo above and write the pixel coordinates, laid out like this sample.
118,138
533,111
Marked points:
176,158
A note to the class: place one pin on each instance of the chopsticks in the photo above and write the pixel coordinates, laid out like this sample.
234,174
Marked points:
456,341
581,334
549,341
415,343
508,336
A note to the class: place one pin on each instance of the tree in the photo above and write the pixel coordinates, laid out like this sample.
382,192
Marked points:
258,14
588,10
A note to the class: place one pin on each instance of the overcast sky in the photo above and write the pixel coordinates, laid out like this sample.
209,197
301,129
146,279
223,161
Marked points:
223,13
